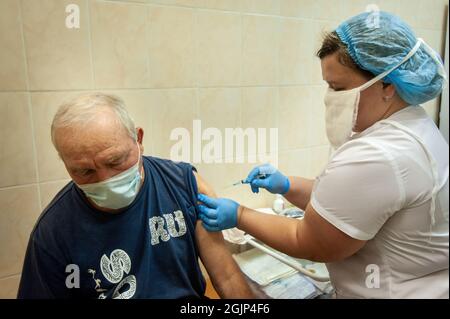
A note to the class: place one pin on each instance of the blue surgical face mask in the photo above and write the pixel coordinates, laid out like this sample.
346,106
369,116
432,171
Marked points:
116,192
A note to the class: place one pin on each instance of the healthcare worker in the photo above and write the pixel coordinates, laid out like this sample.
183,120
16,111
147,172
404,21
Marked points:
378,213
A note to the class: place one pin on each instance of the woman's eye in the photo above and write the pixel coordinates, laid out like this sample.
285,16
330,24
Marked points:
336,88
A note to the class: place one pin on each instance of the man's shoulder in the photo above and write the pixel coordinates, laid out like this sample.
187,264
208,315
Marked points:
164,162
168,167
54,213
178,174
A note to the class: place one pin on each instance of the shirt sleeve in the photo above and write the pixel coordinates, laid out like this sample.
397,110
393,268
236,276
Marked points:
360,189
43,273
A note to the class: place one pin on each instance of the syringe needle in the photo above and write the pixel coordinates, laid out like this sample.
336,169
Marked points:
238,183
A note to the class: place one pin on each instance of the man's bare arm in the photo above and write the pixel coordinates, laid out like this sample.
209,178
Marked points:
225,274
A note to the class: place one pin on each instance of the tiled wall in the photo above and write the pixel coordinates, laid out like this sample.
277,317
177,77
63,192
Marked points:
230,63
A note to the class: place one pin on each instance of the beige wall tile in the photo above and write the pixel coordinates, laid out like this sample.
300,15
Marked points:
17,160
49,190
296,162
19,209
228,5
259,107
171,47
219,48
299,8
260,50
119,47
295,117
298,45
317,127
58,57
319,160
329,10
432,14
183,3
12,55
172,109
9,285
271,7
260,111
219,107
45,105
137,1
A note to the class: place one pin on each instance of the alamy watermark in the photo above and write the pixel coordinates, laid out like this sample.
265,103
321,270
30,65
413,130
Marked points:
73,16
373,19
232,145
373,277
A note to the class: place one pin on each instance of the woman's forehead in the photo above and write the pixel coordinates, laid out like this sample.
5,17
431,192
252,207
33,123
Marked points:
333,71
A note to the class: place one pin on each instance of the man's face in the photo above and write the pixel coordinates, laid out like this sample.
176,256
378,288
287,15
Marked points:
97,151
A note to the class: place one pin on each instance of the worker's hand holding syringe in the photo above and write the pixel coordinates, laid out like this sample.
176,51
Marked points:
221,213
268,177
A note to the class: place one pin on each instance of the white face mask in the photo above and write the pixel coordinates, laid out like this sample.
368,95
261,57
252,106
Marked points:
118,191
342,106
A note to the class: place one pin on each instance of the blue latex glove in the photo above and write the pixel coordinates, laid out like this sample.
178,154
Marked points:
274,181
217,213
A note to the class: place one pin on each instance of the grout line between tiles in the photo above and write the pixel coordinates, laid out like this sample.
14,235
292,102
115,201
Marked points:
30,111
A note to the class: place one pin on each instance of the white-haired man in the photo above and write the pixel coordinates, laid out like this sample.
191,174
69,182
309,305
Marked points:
126,225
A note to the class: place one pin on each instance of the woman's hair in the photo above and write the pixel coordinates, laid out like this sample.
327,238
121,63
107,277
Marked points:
332,44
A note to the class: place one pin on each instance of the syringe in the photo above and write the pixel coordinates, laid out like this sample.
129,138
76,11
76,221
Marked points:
243,181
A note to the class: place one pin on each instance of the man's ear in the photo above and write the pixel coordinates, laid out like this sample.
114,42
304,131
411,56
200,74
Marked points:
140,138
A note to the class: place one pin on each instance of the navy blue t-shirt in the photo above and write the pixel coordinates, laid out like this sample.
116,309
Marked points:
146,251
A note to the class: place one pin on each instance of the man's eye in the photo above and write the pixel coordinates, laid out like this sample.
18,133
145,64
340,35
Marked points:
117,163
87,172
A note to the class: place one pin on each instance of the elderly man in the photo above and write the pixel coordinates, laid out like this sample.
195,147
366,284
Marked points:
126,225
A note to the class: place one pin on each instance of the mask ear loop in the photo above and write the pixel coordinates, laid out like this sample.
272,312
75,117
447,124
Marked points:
385,73
441,69
355,111
139,158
